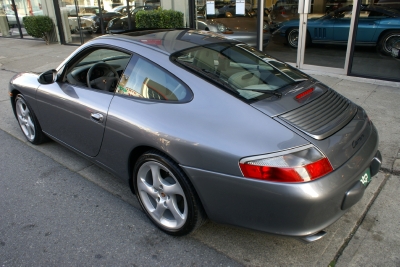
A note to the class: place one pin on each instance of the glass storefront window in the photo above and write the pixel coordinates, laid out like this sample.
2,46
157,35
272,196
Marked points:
12,14
233,19
9,19
378,30
279,13
83,20
328,28
80,20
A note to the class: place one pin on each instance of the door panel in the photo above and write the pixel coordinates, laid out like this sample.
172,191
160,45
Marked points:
74,115
366,29
341,29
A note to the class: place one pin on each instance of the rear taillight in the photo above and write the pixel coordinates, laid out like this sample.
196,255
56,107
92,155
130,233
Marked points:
300,164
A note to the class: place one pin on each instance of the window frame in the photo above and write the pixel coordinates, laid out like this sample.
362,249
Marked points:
75,59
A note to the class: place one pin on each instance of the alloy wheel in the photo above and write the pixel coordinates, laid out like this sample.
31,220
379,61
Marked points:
162,196
25,119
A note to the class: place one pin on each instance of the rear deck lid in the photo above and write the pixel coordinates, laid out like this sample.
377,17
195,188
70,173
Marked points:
312,108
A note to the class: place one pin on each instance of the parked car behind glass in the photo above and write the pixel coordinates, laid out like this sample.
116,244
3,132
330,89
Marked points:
377,26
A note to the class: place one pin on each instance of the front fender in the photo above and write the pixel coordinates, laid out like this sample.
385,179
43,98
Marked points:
25,84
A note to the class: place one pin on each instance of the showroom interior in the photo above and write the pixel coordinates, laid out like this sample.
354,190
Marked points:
349,37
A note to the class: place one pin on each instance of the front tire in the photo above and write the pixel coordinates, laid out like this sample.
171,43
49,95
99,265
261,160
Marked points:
386,42
28,122
166,194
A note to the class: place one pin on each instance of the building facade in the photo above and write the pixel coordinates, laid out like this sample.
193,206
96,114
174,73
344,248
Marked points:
351,37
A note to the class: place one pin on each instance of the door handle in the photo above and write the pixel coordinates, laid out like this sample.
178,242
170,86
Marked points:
97,117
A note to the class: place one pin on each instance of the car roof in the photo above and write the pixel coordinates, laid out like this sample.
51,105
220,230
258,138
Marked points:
169,41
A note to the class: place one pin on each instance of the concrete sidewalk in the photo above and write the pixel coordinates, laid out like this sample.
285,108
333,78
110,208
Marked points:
368,234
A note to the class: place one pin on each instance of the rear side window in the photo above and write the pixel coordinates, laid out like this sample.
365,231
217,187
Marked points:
144,79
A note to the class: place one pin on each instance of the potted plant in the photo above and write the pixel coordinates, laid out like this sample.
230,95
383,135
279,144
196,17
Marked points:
38,26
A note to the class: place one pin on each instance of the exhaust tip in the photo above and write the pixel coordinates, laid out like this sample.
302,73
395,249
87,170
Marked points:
314,237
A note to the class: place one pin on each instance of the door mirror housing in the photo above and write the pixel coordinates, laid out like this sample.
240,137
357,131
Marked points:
48,77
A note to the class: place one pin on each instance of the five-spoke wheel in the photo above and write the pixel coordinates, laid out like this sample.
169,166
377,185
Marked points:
166,194
27,121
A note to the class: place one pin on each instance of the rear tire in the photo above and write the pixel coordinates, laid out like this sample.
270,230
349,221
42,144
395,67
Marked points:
28,122
166,194
386,41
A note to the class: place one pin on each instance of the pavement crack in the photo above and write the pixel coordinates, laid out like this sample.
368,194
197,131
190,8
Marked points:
371,93
12,71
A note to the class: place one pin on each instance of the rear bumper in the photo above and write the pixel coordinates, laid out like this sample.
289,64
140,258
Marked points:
294,209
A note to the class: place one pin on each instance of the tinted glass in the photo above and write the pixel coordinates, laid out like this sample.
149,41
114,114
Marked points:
378,27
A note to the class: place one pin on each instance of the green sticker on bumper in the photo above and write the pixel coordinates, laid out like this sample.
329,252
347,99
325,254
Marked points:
366,177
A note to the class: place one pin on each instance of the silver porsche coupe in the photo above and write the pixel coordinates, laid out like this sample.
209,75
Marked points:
201,126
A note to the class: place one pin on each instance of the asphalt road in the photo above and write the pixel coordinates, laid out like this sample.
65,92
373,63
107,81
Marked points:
51,215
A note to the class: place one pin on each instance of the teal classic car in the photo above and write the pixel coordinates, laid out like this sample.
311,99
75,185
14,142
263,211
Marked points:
377,26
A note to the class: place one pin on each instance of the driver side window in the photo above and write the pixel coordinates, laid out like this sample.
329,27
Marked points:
98,69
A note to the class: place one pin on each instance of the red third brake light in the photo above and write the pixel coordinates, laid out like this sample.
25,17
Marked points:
296,165
305,93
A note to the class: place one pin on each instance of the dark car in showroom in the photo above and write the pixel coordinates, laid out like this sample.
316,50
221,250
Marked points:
201,126
377,26
104,18
226,14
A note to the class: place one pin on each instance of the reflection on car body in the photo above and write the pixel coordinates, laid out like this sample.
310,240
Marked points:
240,27
202,126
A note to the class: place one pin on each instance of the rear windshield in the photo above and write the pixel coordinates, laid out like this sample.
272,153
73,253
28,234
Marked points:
240,69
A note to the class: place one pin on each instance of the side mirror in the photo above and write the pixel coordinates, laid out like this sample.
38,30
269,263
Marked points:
48,77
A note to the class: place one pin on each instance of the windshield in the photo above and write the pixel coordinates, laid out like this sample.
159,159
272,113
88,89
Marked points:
241,69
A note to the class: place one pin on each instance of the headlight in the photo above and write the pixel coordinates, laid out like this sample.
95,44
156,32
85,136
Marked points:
110,23
221,27
265,26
